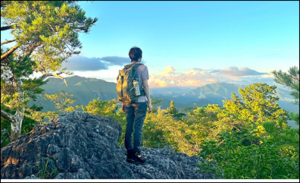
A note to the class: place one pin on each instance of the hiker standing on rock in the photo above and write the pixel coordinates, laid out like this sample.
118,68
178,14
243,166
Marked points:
133,92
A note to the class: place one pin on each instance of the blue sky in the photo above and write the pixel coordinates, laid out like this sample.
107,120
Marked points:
190,39
204,34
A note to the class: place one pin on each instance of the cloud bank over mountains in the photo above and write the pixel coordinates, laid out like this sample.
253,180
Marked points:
107,68
234,71
198,77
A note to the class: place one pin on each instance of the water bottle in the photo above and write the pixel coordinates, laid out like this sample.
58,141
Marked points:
137,88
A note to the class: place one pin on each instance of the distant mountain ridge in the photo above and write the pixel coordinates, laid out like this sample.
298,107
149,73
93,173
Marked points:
87,89
215,93
84,89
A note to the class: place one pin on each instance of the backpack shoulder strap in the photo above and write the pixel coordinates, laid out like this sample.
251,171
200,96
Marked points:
138,64
134,69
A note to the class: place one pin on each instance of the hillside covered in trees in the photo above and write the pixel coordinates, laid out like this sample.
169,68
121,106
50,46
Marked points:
87,89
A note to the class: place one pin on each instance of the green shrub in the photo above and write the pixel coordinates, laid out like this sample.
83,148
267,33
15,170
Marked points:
268,160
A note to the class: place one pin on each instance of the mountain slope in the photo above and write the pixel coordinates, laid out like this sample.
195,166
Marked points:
165,103
217,92
84,89
87,89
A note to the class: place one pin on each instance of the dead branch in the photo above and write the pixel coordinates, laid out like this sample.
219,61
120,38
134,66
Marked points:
7,116
8,41
5,55
45,76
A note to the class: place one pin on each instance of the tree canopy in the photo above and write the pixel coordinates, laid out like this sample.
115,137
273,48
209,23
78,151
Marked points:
45,34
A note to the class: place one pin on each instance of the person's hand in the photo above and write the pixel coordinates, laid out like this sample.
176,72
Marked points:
123,107
150,107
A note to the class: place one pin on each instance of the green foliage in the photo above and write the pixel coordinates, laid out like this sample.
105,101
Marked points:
258,104
39,116
162,129
166,128
45,34
56,26
105,108
63,101
13,87
248,138
289,79
295,117
174,112
269,159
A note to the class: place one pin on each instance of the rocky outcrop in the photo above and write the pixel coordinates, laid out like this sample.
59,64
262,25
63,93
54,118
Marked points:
84,146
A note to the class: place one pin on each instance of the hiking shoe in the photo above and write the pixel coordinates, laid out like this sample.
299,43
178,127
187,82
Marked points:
138,159
130,155
135,158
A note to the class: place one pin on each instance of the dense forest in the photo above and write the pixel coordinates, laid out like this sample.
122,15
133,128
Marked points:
247,137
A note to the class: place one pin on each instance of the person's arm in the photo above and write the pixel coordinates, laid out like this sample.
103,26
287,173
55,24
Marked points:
147,92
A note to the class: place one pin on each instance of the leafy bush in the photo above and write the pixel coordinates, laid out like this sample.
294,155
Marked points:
233,160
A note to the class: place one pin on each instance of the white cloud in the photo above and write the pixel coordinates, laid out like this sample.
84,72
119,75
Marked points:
170,78
198,77
107,75
234,71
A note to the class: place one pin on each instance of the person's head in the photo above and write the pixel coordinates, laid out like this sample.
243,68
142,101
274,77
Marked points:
135,54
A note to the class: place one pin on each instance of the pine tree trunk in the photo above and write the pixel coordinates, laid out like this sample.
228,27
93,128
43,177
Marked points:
16,125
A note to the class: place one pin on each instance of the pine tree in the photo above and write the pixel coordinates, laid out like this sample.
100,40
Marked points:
258,103
63,101
45,33
173,111
289,79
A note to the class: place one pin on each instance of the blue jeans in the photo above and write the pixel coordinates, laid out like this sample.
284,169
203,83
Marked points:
135,117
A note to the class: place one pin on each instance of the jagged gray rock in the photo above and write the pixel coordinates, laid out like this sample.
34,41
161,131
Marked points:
84,146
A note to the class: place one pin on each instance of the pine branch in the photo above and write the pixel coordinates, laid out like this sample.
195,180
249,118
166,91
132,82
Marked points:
7,116
282,78
46,75
51,28
56,75
295,78
31,48
220,143
5,55
8,41
4,28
